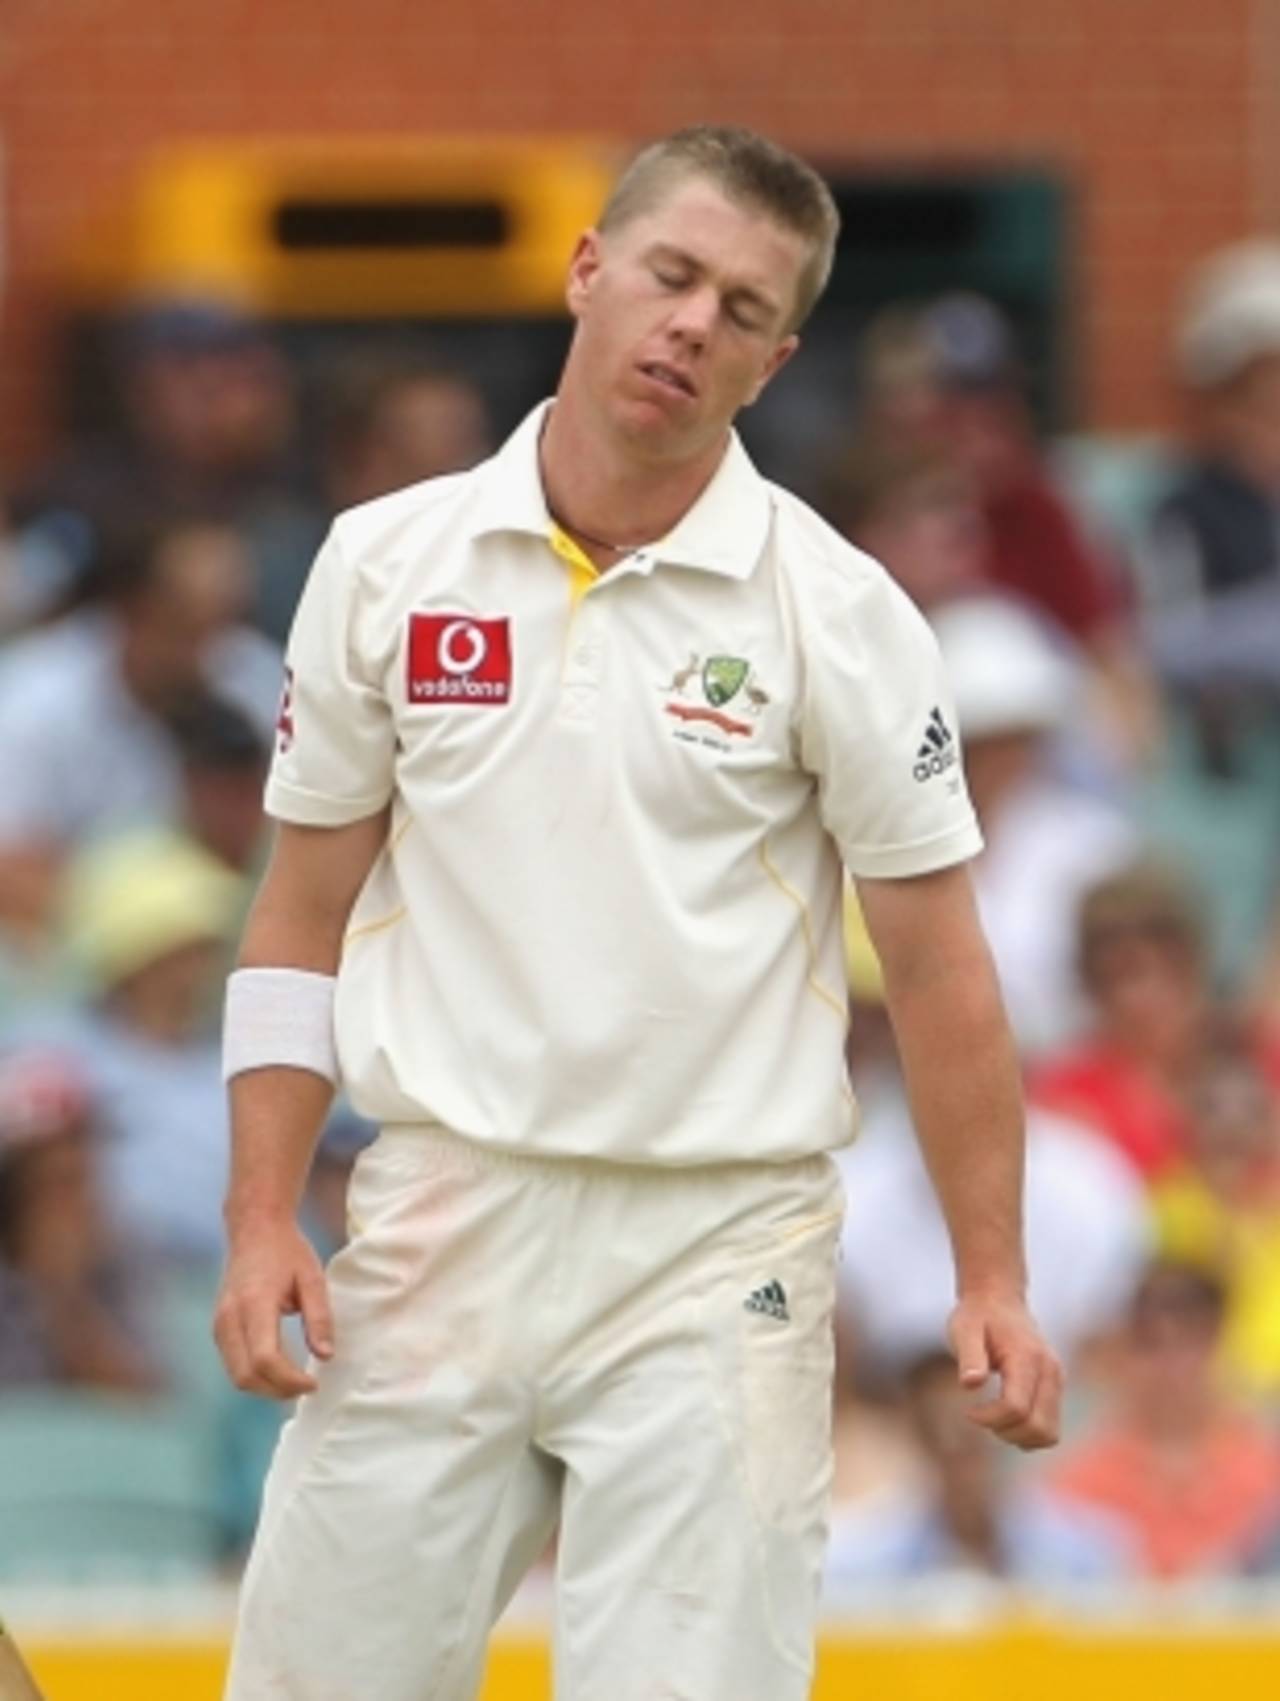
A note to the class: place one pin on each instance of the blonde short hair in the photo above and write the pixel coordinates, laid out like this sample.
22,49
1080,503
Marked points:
748,169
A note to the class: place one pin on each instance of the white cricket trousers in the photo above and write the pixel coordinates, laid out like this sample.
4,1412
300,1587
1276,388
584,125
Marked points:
643,1356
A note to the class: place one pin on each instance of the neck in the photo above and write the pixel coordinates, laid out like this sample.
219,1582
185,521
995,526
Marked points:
1169,1050
147,685
974,1529
1174,1427
608,498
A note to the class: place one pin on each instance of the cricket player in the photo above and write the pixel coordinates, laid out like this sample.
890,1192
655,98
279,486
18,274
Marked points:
574,751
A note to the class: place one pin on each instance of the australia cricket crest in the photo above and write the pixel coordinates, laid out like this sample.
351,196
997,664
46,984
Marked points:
699,693
723,677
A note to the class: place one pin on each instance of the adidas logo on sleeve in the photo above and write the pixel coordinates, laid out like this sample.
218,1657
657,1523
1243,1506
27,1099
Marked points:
937,750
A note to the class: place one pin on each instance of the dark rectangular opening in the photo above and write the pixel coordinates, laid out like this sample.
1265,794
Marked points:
887,219
398,224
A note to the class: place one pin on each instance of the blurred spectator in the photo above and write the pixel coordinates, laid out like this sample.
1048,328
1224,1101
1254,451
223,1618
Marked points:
1086,1226
83,704
72,1298
972,1511
1211,589
208,426
950,374
1220,1210
876,1460
224,765
915,508
1265,1561
1046,841
149,918
1212,572
1087,1238
1142,959
209,400
1194,1478
1262,991
394,420
37,576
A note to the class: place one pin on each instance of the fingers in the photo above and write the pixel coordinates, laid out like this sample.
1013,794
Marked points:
273,1372
229,1337
969,1343
249,1339
1027,1411
1045,1423
998,1336
247,1331
317,1318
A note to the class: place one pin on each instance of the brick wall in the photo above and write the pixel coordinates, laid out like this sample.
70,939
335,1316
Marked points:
1164,113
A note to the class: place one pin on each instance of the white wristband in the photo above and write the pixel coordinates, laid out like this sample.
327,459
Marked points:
279,1017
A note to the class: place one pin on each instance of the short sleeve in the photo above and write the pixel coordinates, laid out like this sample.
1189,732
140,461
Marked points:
334,759
877,727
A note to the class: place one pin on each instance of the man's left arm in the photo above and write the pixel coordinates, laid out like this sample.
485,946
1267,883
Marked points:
965,1092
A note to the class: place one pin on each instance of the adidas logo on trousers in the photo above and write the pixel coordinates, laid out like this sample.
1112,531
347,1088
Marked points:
770,1300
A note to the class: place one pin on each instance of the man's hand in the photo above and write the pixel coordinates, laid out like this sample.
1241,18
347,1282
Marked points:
272,1271
997,1336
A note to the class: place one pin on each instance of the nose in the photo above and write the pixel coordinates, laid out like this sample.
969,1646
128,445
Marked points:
694,315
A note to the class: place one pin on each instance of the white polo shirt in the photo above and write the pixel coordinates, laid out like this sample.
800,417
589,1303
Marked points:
607,921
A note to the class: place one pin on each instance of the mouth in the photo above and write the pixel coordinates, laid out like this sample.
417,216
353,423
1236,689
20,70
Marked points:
670,377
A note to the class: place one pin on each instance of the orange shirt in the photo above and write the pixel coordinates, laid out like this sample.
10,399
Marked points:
1201,1514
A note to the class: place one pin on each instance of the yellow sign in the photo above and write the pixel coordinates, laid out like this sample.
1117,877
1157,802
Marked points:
1051,1663
427,227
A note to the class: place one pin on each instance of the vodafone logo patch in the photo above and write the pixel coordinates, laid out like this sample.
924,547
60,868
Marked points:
459,659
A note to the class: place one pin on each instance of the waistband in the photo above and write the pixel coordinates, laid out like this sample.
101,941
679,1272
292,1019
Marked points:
434,1140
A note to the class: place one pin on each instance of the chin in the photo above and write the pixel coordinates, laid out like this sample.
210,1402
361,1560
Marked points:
650,430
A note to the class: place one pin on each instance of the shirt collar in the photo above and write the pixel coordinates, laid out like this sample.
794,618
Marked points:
724,532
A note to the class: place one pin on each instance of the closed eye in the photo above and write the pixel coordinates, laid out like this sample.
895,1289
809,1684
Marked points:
670,277
744,318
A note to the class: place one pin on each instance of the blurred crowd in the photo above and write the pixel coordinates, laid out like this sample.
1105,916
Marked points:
1109,614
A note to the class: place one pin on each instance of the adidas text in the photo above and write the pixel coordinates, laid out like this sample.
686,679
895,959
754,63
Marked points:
937,762
937,750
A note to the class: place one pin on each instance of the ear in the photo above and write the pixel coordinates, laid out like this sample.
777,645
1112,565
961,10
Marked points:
587,258
777,360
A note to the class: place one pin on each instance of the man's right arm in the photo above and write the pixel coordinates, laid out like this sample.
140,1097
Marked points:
297,922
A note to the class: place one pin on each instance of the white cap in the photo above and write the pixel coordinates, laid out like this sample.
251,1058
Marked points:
1231,314
1007,670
